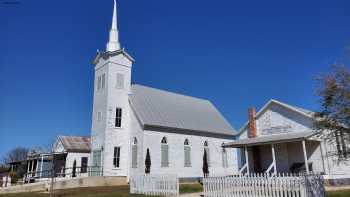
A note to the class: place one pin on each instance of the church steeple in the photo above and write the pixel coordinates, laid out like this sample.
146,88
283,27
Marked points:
113,42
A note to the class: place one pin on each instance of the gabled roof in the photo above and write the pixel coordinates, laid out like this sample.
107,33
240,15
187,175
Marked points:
107,54
304,112
159,108
76,143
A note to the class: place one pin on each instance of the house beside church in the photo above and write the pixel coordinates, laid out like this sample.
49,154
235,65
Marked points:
129,119
70,156
281,138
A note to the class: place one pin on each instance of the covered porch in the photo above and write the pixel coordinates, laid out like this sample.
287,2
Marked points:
298,152
39,166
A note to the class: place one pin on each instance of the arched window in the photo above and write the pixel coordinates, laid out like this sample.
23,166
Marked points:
164,152
206,149
187,153
224,157
134,153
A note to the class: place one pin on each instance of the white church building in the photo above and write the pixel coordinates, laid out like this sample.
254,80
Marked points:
129,119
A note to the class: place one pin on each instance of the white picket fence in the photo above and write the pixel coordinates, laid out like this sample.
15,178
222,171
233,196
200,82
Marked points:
153,184
263,185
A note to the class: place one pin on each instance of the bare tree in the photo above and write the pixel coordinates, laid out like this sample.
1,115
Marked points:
334,115
16,154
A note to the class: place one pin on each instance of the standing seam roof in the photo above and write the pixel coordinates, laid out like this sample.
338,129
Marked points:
156,107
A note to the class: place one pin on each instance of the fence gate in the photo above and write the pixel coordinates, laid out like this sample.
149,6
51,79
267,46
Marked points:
151,184
263,185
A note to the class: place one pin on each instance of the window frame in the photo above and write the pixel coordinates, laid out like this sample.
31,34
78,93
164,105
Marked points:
188,146
119,81
99,82
99,116
116,157
84,165
103,85
134,163
207,149
224,156
118,117
164,144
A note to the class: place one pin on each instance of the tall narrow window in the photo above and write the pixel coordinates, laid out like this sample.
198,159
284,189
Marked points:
206,149
164,153
84,164
99,82
187,154
99,116
134,153
224,158
120,81
118,117
116,157
103,81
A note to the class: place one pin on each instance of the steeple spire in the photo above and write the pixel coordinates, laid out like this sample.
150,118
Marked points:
113,43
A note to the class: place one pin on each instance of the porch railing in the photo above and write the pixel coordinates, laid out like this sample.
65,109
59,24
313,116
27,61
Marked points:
35,176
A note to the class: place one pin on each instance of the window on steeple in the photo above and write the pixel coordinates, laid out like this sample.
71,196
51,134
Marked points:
99,82
120,81
103,81
118,117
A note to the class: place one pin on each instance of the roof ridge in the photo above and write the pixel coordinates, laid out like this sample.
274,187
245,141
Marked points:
170,92
74,136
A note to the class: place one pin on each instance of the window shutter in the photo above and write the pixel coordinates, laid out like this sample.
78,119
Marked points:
134,156
187,151
164,155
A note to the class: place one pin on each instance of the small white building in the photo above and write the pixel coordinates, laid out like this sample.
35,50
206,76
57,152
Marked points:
281,138
70,156
129,119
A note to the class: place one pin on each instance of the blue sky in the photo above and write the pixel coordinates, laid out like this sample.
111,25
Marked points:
235,53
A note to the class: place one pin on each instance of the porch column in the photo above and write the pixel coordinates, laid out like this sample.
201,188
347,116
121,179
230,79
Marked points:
273,158
28,165
41,165
246,158
322,157
305,157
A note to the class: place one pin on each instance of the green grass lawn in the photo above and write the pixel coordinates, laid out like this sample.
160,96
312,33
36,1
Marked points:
113,191
190,188
123,191
340,193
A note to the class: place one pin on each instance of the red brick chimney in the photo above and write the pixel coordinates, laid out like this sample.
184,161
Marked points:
251,123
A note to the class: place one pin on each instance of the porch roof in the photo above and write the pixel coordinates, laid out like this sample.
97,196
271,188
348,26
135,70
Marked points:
270,139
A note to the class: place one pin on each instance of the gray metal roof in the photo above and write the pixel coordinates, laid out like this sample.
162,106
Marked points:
160,108
271,139
76,143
